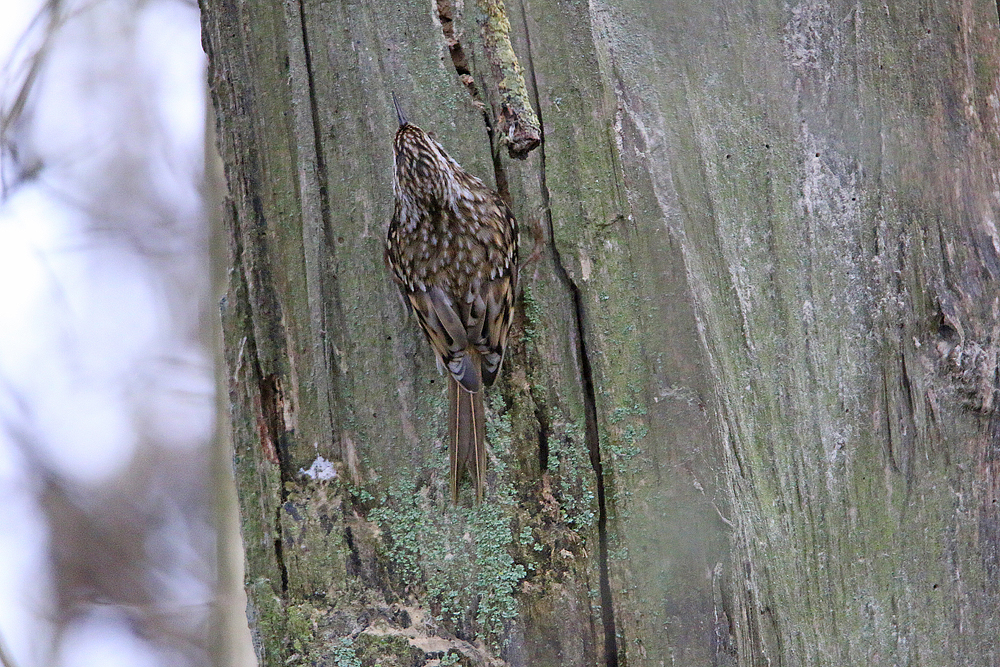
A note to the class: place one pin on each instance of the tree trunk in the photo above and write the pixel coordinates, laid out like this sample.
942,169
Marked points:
748,416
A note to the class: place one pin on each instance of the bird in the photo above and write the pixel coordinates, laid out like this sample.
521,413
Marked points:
452,249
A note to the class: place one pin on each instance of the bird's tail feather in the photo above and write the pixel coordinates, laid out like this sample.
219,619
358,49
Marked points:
467,437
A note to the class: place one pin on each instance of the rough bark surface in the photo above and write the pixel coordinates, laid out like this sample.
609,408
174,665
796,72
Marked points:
749,416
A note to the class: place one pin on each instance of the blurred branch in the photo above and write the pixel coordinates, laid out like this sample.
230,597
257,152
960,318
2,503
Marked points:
10,114
5,659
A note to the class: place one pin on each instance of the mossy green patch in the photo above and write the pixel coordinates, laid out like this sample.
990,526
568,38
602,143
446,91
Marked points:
569,465
627,427
428,545
344,654
532,315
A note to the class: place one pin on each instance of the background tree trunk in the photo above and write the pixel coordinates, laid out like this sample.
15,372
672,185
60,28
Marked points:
749,416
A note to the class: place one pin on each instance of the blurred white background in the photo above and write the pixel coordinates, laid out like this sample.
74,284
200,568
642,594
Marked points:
118,540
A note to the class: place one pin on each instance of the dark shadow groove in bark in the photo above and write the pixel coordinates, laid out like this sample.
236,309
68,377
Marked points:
314,111
455,49
272,422
589,395
279,557
543,438
321,280
594,445
461,64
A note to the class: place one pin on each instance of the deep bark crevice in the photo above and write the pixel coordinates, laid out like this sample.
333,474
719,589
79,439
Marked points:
314,112
279,558
321,174
594,446
321,280
592,434
520,138
462,69
455,49
267,399
275,444
460,62
272,423
543,438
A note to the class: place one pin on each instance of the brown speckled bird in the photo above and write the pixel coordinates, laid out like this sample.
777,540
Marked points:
452,247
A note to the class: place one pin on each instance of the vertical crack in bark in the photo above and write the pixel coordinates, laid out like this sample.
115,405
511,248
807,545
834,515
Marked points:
516,125
543,438
271,394
589,396
272,422
314,111
275,443
321,173
322,282
279,554
458,57
461,64
594,445
264,390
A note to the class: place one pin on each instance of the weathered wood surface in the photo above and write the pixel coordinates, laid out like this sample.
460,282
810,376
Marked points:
768,301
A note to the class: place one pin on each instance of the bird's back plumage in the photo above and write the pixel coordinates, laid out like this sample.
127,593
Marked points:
452,247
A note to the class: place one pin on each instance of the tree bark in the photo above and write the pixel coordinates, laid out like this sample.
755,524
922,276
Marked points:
748,416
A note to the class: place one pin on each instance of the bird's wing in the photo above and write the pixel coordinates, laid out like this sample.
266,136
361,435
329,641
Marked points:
447,334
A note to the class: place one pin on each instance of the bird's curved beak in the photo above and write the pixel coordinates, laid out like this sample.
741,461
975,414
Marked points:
399,112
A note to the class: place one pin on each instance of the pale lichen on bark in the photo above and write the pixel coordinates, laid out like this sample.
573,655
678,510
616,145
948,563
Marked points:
516,119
